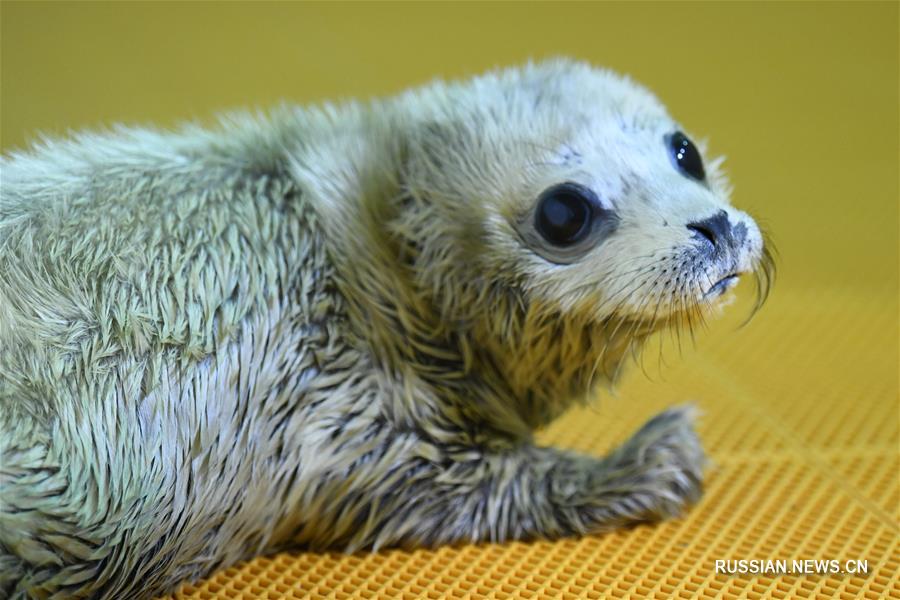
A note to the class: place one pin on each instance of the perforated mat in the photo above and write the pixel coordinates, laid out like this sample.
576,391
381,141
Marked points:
801,424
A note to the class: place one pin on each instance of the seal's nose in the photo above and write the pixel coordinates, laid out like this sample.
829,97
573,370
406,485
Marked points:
716,229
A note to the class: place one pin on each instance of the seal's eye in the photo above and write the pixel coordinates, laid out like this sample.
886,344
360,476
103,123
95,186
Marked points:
564,213
686,156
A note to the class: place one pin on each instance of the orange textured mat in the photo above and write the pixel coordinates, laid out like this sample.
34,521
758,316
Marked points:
801,423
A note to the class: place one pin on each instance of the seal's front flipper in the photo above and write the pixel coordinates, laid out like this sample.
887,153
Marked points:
531,492
652,476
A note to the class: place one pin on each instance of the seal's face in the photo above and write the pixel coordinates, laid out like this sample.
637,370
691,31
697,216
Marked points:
631,223
584,193
552,217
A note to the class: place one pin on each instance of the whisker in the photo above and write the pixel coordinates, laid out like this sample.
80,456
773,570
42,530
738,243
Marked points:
764,276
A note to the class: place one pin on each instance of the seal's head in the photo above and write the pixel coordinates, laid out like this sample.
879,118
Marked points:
572,191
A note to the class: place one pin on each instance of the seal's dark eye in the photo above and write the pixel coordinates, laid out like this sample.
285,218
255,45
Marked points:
564,213
686,156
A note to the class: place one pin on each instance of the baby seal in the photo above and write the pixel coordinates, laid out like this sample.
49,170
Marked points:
339,327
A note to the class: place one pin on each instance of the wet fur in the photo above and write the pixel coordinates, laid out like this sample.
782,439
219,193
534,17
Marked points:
318,328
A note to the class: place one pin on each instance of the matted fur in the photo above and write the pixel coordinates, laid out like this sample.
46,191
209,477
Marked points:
324,327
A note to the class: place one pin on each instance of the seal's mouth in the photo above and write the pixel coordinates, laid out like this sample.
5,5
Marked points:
721,286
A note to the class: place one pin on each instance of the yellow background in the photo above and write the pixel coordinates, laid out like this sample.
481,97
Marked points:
801,405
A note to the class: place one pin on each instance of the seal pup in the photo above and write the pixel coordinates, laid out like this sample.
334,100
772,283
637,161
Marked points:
339,327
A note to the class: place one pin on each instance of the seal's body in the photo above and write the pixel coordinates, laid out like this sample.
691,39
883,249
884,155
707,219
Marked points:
339,327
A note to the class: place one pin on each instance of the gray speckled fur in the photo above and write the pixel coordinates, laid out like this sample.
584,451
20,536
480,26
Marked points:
305,329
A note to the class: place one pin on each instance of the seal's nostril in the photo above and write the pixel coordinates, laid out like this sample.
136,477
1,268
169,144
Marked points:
715,229
704,231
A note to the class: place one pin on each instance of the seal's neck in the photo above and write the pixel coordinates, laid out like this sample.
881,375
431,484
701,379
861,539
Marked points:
550,360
